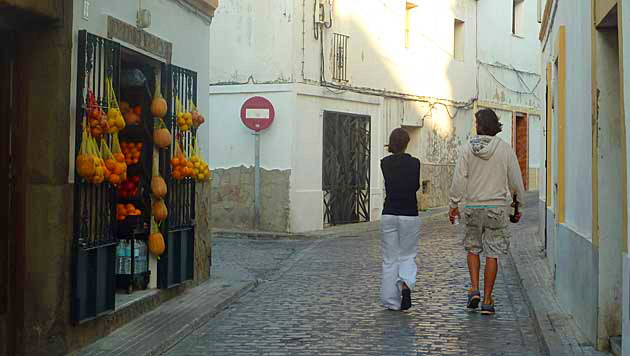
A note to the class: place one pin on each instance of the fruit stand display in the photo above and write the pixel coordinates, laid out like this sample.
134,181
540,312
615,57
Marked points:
137,163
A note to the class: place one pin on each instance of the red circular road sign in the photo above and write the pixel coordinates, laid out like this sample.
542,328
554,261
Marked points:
257,113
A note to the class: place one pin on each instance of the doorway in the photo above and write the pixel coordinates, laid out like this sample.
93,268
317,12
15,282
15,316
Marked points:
610,181
521,145
346,168
7,73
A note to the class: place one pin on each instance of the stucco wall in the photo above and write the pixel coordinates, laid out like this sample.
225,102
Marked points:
280,35
578,114
233,144
261,33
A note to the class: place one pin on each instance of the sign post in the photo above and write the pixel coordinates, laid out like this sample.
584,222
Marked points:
257,114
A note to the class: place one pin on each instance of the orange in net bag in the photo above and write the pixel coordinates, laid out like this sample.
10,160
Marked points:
184,119
115,119
197,118
108,159
180,166
85,164
119,171
201,171
99,165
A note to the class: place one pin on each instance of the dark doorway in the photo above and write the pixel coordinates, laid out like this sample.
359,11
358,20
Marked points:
7,75
346,168
521,145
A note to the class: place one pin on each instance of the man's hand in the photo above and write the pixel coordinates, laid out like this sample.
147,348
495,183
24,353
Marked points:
454,212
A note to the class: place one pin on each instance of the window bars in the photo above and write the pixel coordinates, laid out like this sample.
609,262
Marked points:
340,57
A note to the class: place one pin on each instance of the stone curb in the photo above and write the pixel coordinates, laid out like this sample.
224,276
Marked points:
321,234
154,342
210,312
546,335
551,340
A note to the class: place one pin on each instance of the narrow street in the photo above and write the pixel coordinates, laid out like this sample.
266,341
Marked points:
324,300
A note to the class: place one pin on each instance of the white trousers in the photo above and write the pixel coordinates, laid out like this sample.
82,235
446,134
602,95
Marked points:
399,242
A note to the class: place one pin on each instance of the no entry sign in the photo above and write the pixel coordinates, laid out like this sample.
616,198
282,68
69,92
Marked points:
257,113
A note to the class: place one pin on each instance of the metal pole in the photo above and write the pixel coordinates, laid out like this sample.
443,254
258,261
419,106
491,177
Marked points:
257,182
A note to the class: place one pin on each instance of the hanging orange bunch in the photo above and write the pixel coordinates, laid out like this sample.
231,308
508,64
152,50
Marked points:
116,164
181,167
115,119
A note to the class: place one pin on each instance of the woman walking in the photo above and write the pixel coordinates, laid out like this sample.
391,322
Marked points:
400,224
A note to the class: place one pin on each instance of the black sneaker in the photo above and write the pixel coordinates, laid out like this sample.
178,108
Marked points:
406,299
488,309
473,299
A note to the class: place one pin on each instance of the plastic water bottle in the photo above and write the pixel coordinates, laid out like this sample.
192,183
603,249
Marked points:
456,220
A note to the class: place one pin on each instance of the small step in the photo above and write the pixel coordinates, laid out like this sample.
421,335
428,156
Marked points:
615,345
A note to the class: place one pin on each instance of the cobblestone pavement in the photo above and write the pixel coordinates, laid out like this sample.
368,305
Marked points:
242,259
324,300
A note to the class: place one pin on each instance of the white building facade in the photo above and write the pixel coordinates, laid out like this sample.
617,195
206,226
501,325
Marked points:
341,77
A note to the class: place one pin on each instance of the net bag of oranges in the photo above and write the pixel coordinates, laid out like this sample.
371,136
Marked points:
181,167
99,164
201,172
85,163
117,167
184,119
115,120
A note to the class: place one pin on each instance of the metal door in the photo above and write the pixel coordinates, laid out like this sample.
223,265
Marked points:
346,168
176,265
94,205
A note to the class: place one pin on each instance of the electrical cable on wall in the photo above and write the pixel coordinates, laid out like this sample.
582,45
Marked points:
485,65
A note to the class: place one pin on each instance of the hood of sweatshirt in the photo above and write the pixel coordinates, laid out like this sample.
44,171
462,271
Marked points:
484,146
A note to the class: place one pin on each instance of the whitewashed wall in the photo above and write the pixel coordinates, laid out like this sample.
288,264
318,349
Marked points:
233,143
253,38
272,38
578,113
509,69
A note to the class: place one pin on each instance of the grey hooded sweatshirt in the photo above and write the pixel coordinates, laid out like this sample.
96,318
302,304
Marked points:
486,173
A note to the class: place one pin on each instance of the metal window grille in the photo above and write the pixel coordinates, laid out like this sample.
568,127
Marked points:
340,57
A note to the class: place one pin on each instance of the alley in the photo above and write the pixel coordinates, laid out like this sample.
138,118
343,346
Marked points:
324,300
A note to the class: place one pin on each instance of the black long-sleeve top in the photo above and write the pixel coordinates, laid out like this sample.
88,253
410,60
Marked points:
402,181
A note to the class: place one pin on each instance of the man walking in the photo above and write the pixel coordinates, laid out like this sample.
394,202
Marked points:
486,175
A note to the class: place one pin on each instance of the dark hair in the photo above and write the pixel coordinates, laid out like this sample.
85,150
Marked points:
398,141
488,123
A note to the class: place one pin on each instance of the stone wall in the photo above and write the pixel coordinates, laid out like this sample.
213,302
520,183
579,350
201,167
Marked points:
435,182
232,196
203,234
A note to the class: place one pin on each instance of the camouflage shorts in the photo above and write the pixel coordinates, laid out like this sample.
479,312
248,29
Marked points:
487,231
